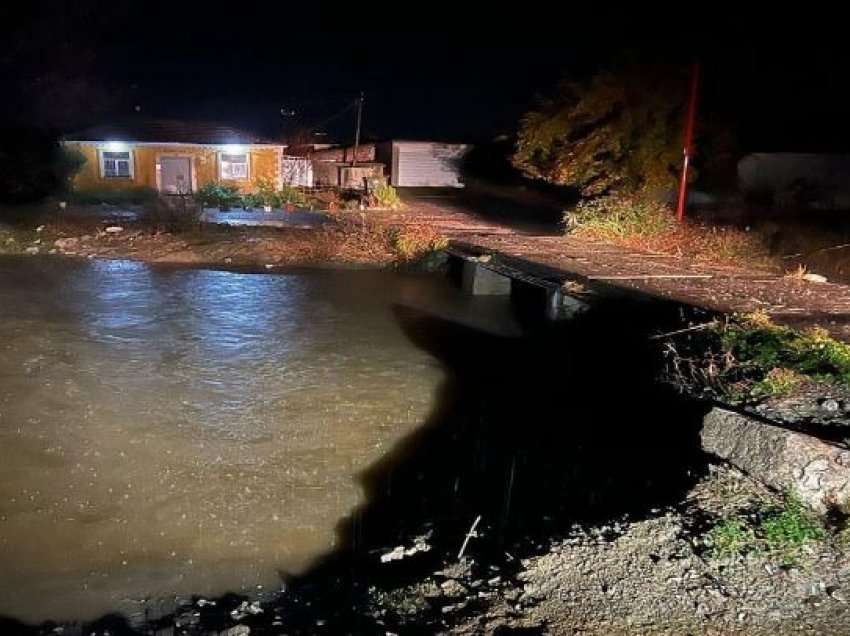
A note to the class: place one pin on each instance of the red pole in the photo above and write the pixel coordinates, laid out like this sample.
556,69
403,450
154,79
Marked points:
689,143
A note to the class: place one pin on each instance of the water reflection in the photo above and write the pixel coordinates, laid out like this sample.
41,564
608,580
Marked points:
170,432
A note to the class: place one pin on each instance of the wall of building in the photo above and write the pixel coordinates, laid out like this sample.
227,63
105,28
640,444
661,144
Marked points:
365,154
264,162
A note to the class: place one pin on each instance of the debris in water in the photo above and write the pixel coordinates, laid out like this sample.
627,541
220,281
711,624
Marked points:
399,552
469,535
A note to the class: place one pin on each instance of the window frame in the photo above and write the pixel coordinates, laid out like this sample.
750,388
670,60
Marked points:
221,162
102,159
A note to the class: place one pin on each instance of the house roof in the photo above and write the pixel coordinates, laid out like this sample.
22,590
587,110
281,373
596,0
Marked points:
167,131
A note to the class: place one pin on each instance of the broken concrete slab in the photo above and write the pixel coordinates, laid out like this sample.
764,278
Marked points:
817,472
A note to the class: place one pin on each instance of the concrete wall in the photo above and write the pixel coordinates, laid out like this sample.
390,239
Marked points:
264,162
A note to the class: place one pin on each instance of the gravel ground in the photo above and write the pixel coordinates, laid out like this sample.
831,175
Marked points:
651,576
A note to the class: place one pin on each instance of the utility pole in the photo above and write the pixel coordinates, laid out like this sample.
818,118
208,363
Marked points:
357,130
689,143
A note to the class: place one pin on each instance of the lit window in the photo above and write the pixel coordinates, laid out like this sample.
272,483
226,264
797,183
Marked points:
116,165
234,166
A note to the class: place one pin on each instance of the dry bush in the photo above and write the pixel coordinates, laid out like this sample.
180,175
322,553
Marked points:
637,221
358,237
172,216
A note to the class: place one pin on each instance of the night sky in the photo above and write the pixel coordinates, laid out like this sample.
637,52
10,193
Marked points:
428,71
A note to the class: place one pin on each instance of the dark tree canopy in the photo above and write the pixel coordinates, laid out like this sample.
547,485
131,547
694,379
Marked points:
620,130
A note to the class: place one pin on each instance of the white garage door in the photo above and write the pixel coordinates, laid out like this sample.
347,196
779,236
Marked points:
429,165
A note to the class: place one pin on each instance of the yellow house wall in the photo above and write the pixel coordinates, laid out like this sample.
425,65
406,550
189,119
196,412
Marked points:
263,162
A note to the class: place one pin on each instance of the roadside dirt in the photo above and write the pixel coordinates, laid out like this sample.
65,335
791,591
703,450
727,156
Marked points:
249,247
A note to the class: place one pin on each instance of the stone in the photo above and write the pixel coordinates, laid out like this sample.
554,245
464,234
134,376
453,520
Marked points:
66,243
236,630
830,405
114,229
31,250
814,278
817,472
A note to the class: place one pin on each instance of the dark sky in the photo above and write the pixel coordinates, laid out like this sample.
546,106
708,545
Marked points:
427,70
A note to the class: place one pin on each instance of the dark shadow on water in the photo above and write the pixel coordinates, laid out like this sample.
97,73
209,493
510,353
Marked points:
566,425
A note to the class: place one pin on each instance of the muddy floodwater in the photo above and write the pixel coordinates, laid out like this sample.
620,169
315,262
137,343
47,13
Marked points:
171,432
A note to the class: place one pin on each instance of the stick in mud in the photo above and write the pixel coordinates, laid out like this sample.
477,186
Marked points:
469,535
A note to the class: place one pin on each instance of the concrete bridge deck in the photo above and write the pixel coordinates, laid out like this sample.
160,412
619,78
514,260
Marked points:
542,251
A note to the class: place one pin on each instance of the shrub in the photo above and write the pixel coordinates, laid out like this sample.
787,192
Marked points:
384,195
758,343
292,196
749,358
264,194
129,196
415,241
175,215
214,194
618,216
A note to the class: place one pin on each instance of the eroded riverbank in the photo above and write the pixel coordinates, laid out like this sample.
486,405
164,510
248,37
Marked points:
377,415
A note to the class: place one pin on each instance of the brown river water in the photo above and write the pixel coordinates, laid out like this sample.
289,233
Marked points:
168,432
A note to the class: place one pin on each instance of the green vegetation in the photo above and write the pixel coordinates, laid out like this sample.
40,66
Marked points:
731,537
127,196
749,358
761,346
776,383
618,216
265,194
619,131
777,530
385,196
290,195
220,195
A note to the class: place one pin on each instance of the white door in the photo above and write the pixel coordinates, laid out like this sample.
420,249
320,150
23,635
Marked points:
175,175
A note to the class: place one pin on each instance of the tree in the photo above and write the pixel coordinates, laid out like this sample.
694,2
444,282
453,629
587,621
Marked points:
619,131
34,165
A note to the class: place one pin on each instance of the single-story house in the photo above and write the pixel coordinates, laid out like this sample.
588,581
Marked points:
172,157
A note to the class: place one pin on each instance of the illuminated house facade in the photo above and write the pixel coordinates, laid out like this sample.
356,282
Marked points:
172,157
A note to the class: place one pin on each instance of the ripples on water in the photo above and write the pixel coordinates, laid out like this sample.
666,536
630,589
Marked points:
172,432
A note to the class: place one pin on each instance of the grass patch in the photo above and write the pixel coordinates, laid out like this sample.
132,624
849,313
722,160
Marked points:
620,216
731,537
779,530
640,222
777,383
